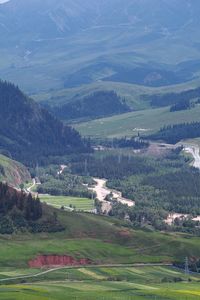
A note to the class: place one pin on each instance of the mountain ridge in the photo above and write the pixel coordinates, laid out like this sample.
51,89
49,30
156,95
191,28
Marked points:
28,131
56,41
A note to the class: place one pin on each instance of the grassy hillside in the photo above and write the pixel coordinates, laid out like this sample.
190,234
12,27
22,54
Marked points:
101,239
13,172
131,92
105,241
145,122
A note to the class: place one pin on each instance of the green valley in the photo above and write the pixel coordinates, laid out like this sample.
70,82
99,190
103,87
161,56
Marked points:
146,122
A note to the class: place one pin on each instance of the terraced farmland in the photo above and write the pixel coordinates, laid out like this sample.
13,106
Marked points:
100,283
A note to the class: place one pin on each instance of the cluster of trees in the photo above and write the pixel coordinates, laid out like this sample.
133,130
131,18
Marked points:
17,209
133,142
181,105
174,133
96,105
172,98
29,131
178,191
65,184
20,211
111,166
170,187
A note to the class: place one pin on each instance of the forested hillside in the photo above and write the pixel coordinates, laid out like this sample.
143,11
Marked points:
174,133
28,131
22,212
96,105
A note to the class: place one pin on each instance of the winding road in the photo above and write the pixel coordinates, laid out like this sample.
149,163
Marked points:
194,151
102,191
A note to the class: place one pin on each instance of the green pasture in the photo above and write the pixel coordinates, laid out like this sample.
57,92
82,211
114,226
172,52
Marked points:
84,204
146,122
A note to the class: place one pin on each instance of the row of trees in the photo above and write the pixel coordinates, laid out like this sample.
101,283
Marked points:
175,133
132,142
172,98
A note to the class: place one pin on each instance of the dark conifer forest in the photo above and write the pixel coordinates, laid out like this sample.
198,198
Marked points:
28,131
96,105
20,211
174,133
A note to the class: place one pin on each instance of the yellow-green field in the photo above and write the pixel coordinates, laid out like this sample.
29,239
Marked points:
84,204
97,283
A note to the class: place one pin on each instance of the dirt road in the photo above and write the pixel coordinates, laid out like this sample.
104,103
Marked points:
134,265
194,151
102,191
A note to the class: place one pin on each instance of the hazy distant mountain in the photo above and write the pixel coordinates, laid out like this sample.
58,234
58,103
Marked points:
51,44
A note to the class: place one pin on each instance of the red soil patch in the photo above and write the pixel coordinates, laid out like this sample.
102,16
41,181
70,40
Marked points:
57,261
124,233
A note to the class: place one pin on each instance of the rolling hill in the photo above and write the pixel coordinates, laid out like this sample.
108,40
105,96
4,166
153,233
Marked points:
57,44
146,122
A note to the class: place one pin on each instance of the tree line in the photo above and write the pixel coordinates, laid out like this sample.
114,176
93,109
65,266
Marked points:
172,134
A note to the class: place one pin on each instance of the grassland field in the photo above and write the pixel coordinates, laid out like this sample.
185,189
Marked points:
146,122
84,204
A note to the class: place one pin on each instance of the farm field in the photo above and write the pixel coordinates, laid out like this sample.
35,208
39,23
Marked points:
129,124
106,242
84,204
98,283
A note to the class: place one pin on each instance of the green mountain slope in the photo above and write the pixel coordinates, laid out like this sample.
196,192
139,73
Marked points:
13,172
100,239
28,131
96,105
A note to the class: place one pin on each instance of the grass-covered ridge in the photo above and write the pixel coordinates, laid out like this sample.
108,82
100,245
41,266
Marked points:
103,240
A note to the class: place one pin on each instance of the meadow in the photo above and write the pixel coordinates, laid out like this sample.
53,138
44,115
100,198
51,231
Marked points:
146,122
83,204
